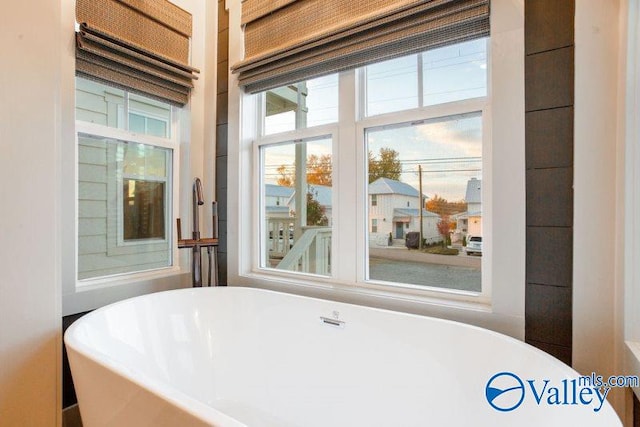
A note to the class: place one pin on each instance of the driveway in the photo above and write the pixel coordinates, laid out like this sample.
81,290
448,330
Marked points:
417,268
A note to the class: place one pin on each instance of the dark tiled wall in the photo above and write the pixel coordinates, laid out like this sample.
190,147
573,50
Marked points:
222,120
549,77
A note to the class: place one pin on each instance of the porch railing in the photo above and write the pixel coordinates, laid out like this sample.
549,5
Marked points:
279,237
311,253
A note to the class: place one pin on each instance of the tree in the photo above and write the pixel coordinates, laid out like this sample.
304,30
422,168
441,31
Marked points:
386,166
443,207
444,226
285,179
315,211
319,170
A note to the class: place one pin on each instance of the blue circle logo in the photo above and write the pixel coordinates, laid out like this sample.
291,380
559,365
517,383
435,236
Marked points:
504,391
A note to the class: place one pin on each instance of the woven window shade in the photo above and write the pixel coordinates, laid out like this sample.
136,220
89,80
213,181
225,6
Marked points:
137,45
303,39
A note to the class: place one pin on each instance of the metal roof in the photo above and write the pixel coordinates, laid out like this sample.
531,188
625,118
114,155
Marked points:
272,190
400,212
391,186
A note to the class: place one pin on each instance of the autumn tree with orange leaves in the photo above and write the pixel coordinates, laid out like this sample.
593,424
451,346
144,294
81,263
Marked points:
318,172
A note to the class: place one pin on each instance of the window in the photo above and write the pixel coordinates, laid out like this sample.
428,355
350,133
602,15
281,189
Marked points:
126,162
448,74
423,168
144,191
500,303
297,237
301,105
443,157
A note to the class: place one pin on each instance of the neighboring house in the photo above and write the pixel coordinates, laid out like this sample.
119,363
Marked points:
470,222
276,199
394,208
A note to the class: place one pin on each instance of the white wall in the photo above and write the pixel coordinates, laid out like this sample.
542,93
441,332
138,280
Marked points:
37,171
599,56
30,307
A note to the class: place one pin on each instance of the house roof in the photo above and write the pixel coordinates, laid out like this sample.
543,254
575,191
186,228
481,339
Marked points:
272,190
474,191
391,186
321,193
403,212
276,209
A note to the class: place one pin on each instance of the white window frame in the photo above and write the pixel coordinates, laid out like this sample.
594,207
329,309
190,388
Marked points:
171,143
259,214
504,168
352,92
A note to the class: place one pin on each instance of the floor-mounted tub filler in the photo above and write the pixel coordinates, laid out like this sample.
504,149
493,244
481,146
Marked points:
248,357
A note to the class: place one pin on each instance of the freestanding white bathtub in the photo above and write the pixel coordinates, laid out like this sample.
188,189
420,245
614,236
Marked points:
249,357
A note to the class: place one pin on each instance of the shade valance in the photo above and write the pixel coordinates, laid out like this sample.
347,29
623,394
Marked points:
139,45
302,39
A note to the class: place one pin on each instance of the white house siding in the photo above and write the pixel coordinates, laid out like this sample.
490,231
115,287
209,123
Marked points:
383,212
99,108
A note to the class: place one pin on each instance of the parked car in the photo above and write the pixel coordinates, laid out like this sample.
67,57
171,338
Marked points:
474,245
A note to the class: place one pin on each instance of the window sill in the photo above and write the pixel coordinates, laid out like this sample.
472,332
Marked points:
445,307
126,278
95,293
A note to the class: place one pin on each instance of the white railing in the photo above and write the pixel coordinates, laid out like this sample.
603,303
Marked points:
311,253
279,237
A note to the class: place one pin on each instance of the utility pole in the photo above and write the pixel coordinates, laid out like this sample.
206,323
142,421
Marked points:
421,205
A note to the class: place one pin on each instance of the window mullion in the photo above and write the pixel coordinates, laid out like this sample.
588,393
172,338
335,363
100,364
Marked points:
347,171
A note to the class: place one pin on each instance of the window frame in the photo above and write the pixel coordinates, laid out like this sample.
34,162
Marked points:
418,116
350,130
118,134
327,131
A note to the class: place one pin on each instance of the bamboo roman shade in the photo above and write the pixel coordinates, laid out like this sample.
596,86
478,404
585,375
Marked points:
287,41
138,45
